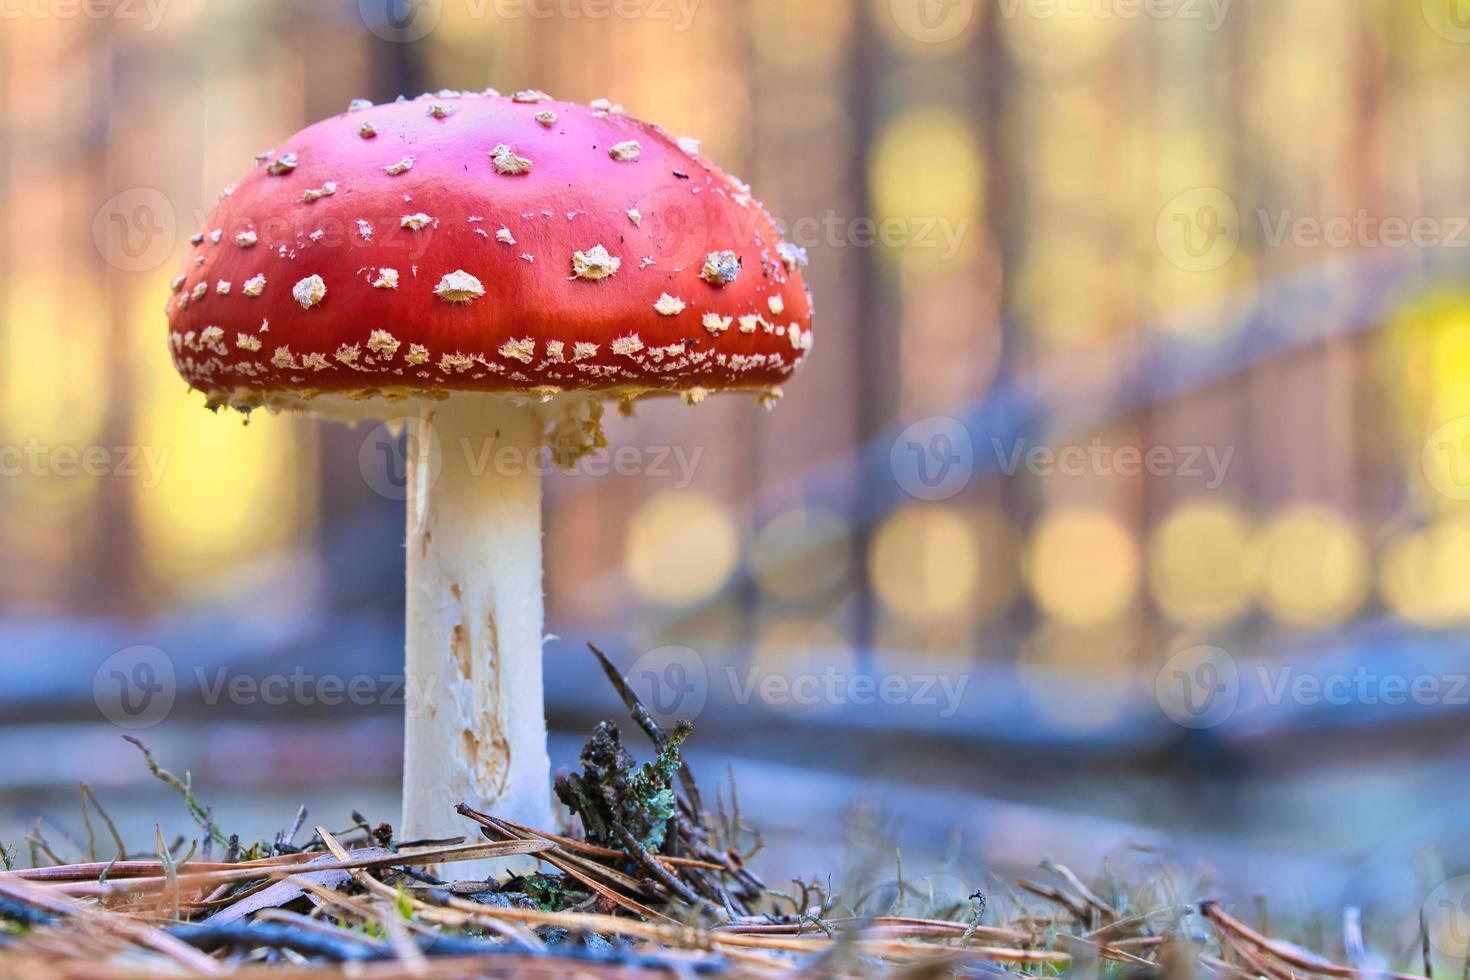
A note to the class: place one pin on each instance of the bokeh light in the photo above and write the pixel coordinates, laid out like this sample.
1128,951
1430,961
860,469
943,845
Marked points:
1201,568
1064,319
927,176
1425,574
53,381
1082,565
1428,343
1314,566
221,499
228,493
681,547
924,562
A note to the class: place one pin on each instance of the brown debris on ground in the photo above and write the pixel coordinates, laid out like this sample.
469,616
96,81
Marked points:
650,883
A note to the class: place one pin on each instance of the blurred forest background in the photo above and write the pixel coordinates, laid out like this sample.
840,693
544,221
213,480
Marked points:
1141,393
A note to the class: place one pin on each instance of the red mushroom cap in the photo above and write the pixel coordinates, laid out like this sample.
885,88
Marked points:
466,242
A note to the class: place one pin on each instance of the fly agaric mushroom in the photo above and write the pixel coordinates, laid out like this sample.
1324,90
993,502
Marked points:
493,269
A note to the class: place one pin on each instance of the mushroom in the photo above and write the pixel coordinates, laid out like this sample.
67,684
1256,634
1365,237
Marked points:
494,355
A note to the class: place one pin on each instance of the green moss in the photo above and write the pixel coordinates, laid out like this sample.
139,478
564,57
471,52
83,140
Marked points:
614,790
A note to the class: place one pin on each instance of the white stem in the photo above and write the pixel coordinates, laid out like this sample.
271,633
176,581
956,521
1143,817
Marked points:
476,725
